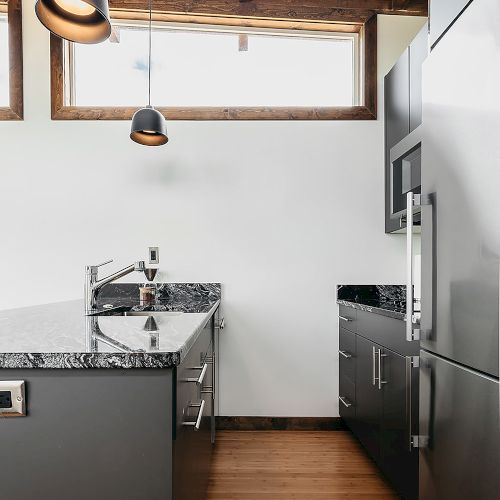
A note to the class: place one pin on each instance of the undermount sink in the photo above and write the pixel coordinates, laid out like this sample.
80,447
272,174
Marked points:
162,314
126,311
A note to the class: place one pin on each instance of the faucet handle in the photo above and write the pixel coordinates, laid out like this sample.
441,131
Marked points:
104,263
139,266
92,270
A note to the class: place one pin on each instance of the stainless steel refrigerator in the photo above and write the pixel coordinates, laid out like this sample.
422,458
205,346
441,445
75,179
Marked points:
459,429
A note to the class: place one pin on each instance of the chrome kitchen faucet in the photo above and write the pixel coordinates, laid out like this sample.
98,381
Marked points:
93,284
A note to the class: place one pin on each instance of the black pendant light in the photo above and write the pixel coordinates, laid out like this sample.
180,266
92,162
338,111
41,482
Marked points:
148,124
82,21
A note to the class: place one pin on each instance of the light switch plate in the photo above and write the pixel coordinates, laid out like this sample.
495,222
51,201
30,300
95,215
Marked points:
154,255
18,398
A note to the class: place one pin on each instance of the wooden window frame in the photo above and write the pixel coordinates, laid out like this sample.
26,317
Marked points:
15,110
368,111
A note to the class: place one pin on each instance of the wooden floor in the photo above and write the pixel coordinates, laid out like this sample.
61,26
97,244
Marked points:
278,465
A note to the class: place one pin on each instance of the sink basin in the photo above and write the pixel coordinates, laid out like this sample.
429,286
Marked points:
161,314
125,311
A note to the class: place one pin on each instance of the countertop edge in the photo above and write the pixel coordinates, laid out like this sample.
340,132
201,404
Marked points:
82,360
375,310
194,337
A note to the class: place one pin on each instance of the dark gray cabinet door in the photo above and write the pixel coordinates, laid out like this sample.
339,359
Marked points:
89,434
347,354
398,460
397,100
442,13
368,398
397,123
347,375
418,54
193,444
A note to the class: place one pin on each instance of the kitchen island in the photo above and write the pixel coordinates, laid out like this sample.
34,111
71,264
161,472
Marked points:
119,404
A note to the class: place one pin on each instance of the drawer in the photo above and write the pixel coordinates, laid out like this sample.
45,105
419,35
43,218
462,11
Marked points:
188,392
204,341
348,318
388,332
347,398
347,354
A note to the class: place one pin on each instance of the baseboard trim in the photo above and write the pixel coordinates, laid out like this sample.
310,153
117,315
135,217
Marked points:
280,423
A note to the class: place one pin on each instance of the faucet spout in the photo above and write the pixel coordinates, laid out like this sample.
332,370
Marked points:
93,284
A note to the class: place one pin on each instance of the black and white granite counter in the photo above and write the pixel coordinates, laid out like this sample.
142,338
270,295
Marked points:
386,300
60,336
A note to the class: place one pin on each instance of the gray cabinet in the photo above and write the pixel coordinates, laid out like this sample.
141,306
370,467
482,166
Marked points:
367,425
347,381
397,100
382,377
194,418
418,52
403,115
399,460
442,14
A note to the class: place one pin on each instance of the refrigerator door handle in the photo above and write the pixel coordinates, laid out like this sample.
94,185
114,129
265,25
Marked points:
408,402
380,381
374,370
413,201
426,405
412,362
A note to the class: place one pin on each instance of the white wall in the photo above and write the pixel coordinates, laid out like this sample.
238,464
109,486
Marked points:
279,212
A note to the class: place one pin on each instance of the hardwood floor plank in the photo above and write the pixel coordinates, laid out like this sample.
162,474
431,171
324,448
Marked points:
278,465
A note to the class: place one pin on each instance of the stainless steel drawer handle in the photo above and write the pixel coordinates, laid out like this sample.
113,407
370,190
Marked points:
344,402
196,424
199,380
345,354
344,318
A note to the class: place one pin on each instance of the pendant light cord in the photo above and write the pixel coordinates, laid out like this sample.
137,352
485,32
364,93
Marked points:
149,65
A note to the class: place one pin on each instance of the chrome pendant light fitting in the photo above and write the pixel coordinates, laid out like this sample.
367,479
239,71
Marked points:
148,124
81,21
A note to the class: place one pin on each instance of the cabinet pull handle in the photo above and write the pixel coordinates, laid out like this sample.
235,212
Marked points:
345,354
374,370
196,424
344,318
199,380
380,381
344,402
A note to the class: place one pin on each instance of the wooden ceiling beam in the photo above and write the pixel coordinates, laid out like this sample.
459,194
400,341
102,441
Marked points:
348,11
410,7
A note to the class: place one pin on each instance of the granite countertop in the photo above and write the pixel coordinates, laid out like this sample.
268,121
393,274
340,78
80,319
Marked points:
385,300
59,335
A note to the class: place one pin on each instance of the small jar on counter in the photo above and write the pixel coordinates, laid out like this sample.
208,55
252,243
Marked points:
147,295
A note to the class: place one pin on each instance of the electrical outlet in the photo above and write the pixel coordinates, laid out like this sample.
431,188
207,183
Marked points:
5,399
154,255
12,398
